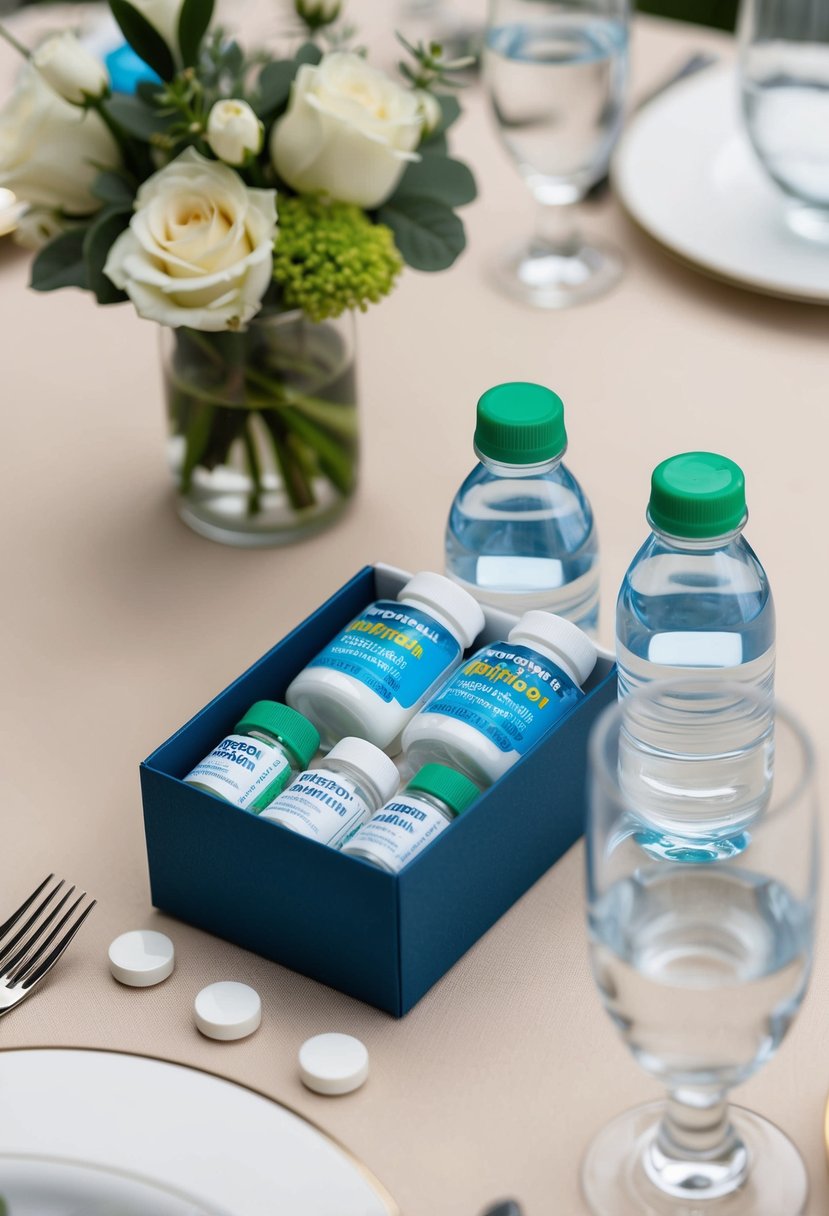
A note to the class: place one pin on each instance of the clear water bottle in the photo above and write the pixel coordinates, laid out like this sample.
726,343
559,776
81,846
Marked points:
695,595
520,533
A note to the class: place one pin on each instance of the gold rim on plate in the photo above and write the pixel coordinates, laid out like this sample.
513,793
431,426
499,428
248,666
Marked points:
366,1173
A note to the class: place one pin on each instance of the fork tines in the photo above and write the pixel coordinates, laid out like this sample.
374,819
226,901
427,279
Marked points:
27,954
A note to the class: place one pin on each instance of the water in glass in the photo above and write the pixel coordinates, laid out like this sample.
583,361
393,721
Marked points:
665,943
557,90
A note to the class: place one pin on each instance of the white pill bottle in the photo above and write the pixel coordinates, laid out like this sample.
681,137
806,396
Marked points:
372,678
499,703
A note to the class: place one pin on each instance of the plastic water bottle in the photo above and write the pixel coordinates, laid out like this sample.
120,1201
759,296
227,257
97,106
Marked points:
520,533
695,595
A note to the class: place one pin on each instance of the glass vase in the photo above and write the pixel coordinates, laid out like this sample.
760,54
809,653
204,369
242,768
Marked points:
263,427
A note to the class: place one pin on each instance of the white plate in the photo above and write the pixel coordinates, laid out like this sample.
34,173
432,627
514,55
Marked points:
686,173
82,1129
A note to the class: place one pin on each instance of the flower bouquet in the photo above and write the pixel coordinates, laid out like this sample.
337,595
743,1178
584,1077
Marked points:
249,205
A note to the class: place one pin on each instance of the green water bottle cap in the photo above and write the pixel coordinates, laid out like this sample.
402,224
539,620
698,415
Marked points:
520,423
289,727
453,788
697,495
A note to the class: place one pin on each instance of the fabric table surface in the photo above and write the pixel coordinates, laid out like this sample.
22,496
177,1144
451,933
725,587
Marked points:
118,623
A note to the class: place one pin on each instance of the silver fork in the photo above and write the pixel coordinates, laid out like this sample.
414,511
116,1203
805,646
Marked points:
30,954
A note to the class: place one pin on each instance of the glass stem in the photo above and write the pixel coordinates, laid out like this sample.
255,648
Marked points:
696,1152
556,229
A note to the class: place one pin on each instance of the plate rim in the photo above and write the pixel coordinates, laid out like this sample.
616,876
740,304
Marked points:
368,1175
699,264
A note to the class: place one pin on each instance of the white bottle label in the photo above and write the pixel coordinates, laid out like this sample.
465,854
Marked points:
399,831
321,804
241,770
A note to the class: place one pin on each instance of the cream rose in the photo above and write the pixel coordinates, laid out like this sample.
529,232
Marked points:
70,69
51,151
199,248
234,132
349,131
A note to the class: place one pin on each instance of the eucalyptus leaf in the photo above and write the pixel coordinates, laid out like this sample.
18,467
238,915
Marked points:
144,38
309,52
273,87
439,178
193,21
60,263
435,145
428,234
111,187
135,116
98,241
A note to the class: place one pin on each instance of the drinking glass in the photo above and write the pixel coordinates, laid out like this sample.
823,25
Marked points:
556,75
784,83
701,955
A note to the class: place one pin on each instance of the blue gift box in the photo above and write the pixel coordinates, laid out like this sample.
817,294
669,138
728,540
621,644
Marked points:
381,937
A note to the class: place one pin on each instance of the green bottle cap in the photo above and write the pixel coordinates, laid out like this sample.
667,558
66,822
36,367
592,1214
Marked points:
520,424
453,788
697,495
289,727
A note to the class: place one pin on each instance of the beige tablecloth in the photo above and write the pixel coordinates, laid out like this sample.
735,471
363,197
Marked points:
118,623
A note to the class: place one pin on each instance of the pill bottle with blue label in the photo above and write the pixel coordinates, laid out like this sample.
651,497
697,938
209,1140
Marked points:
331,802
410,821
372,678
253,764
500,702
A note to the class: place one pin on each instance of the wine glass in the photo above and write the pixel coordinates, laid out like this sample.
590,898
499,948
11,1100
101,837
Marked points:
784,83
701,955
556,75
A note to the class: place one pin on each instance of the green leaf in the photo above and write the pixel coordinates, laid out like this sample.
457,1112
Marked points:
309,52
60,263
439,178
135,116
428,234
233,58
99,238
144,38
273,87
193,21
435,145
111,187
148,91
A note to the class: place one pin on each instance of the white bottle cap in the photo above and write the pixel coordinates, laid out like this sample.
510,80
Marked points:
435,590
141,958
228,1010
571,647
377,766
333,1063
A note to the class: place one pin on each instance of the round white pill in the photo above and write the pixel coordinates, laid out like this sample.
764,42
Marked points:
333,1063
228,1010
141,958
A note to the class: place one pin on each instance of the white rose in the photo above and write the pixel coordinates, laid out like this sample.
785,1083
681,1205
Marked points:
51,151
349,131
163,15
199,248
70,69
233,131
430,111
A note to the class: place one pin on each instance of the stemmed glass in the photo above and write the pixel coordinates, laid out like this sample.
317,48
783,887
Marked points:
556,75
702,873
784,81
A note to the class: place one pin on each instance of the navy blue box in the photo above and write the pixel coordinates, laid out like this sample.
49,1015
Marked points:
383,938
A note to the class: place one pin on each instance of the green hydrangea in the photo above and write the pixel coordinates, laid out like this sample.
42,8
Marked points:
330,256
